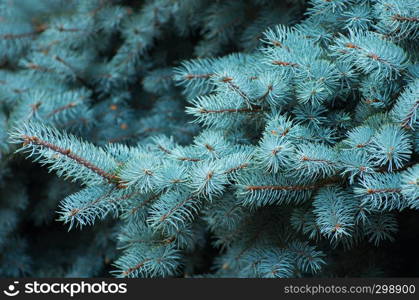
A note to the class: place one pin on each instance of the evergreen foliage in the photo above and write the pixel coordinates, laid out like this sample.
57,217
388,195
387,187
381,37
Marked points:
207,138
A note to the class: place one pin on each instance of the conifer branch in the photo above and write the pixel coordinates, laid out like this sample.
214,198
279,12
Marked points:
68,153
253,109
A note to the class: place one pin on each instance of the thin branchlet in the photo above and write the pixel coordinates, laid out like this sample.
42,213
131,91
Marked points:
112,179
